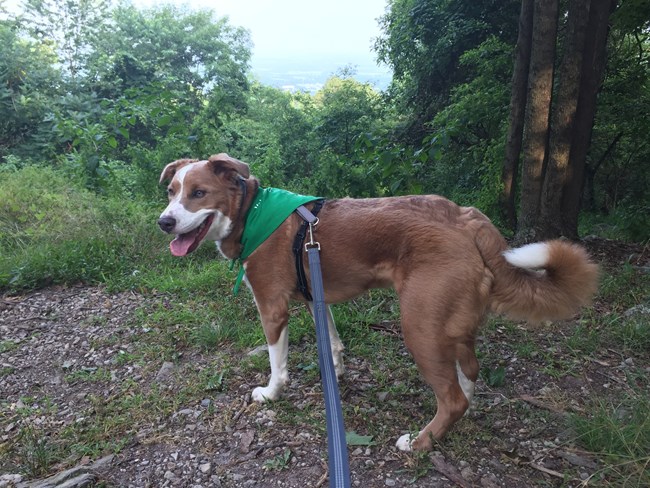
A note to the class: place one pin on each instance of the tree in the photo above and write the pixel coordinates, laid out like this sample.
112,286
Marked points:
72,26
555,143
538,107
29,86
182,50
347,108
591,79
423,42
519,86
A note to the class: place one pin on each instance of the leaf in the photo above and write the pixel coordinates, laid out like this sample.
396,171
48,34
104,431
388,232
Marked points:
494,377
164,120
354,439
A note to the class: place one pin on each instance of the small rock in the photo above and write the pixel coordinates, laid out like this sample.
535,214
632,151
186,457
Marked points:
357,452
390,482
102,463
169,475
259,350
467,473
489,481
205,468
206,402
7,480
382,396
165,372
637,310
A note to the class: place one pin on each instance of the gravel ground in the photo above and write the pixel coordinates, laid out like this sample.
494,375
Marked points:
515,435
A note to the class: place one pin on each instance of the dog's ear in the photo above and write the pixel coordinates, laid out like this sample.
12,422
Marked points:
222,162
171,169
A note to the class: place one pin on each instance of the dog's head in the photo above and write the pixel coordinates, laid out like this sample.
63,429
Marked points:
202,200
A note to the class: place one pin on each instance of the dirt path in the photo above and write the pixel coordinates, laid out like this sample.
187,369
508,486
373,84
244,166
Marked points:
68,365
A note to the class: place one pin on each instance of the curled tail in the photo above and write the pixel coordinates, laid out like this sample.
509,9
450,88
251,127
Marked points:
548,280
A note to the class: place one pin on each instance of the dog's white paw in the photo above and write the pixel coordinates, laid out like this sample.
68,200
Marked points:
404,443
339,368
263,394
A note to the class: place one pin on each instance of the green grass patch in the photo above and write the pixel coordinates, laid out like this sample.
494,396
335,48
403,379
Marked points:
37,451
620,432
6,346
53,232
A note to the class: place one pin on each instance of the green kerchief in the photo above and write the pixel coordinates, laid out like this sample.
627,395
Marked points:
269,209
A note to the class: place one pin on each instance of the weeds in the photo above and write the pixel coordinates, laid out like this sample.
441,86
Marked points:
620,432
36,451
279,462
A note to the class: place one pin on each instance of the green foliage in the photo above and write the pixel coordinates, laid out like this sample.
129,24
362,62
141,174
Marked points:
28,90
494,377
354,439
424,40
279,462
55,232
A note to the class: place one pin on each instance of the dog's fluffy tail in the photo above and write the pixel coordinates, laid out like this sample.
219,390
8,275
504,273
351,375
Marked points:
544,281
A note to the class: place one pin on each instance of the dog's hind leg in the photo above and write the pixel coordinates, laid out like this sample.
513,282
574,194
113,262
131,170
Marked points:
275,321
335,341
449,366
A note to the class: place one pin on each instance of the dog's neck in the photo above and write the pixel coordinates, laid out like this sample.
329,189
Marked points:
231,245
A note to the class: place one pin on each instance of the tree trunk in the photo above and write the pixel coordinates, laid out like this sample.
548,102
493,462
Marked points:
590,176
517,112
565,105
536,124
593,68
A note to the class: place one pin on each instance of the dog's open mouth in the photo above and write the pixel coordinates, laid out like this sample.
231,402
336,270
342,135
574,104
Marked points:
188,242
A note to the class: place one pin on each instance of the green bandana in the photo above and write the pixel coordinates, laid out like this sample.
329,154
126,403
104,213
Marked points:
269,209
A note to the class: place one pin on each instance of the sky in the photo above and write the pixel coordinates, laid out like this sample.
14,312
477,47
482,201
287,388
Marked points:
301,35
301,27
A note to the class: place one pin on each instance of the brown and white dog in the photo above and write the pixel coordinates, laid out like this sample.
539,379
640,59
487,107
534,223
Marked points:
449,265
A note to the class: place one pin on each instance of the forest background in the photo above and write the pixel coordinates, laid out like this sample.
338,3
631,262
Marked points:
96,97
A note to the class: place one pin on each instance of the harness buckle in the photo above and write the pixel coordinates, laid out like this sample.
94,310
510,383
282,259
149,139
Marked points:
311,242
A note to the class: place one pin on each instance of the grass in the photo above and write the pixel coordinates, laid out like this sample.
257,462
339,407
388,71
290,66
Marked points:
620,432
192,312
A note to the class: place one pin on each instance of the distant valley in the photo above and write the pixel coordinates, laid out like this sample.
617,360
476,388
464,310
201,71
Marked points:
309,73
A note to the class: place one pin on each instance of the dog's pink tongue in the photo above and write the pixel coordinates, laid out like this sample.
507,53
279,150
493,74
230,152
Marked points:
181,245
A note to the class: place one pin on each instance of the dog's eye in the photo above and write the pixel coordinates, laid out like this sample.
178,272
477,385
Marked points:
198,194
170,192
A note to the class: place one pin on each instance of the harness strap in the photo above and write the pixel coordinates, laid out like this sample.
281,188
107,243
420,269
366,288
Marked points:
307,218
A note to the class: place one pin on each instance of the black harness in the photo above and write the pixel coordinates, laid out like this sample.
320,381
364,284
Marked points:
297,248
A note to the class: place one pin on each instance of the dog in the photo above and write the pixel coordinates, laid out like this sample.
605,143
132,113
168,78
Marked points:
449,265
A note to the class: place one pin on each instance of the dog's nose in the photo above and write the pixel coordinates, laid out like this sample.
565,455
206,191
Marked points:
167,224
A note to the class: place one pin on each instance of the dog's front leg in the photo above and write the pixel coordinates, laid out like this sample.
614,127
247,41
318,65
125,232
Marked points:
335,341
277,336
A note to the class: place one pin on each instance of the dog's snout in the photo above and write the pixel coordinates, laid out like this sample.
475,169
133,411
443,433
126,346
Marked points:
167,224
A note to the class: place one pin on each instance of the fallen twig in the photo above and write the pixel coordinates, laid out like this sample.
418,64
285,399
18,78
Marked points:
244,405
546,470
540,404
448,471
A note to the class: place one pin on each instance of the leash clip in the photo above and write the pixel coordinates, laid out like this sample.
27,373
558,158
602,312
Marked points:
311,242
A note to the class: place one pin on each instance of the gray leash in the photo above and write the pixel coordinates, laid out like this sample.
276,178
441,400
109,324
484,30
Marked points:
339,468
